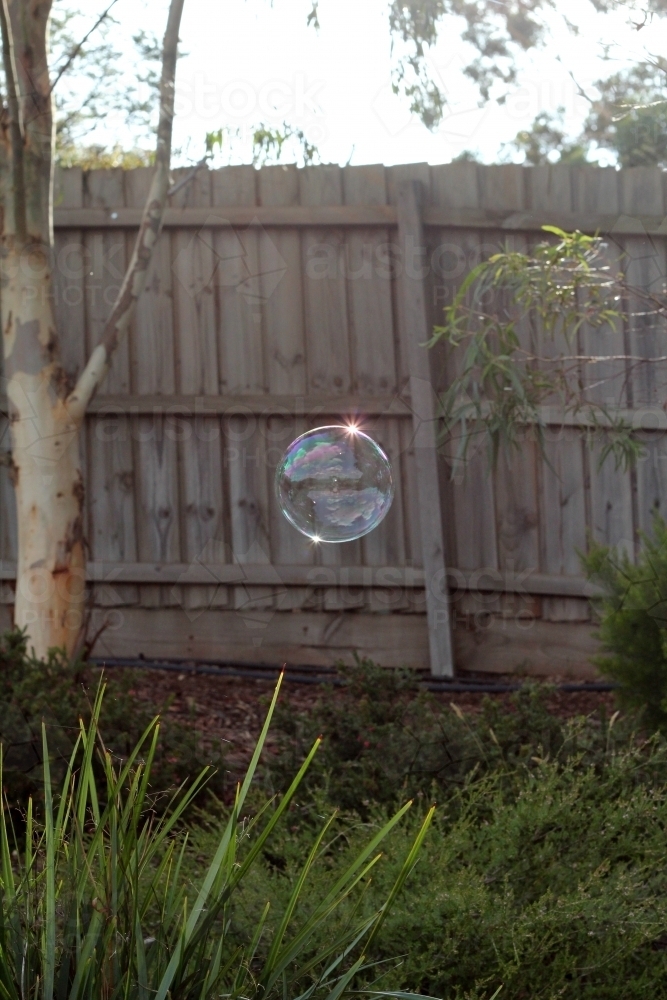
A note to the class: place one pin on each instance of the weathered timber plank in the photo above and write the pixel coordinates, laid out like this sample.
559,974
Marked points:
537,647
246,464
563,517
415,332
400,174
159,506
111,504
645,264
242,370
327,328
502,190
69,271
306,637
469,492
111,512
310,406
369,288
652,482
282,287
105,269
645,419
288,546
394,177
517,516
152,334
604,380
549,189
565,609
485,580
563,512
152,351
612,521
408,477
238,285
515,478
199,260
285,359
328,347
373,350
561,484
194,267
228,216
386,546
203,509
324,639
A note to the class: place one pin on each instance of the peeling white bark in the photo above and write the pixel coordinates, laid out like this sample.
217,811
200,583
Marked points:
50,584
45,459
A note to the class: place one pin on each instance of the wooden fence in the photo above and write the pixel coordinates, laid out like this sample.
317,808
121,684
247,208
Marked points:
282,299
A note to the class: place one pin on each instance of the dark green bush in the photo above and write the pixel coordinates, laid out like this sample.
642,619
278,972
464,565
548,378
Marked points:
633,622
59,693
548,875
385,741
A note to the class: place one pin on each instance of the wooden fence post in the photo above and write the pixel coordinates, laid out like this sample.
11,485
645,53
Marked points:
416,330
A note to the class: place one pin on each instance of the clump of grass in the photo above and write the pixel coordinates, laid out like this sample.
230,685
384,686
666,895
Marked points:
95,901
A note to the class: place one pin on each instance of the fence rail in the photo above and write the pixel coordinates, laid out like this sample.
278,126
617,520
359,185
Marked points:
363,216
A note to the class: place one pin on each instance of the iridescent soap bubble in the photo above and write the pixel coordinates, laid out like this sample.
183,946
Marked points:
334,484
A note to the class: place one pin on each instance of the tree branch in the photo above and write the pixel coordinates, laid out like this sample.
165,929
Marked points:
151,224
77,49
15,125
188,177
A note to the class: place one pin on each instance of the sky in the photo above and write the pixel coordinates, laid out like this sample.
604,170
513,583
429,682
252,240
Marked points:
252,61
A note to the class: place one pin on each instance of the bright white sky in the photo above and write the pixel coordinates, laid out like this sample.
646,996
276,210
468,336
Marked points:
250,61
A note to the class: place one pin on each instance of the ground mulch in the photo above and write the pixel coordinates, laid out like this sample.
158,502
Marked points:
233,709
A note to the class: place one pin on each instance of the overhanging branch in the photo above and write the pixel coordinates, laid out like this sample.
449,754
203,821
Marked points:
15,125
151,224
77,49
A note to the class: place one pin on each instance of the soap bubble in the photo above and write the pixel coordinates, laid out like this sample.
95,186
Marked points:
334,484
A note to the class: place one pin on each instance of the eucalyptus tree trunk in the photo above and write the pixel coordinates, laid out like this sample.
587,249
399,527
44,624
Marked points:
46,413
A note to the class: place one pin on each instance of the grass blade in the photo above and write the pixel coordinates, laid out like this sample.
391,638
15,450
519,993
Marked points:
50,875
218,860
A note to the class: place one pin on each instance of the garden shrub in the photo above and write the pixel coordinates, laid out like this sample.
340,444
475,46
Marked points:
384,740
546,866
59,692
633,622
548,876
